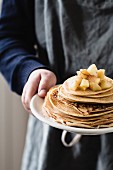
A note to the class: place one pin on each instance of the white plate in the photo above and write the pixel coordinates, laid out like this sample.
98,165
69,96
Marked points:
36,108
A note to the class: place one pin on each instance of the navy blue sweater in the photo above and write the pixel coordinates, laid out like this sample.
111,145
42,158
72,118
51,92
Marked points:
17,40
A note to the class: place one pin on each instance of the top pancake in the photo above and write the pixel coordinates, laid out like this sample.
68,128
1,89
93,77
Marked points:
87,92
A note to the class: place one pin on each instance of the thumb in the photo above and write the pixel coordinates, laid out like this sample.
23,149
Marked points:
46,82
42,92
44,86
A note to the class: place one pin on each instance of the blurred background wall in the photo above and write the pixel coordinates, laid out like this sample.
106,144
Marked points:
13,123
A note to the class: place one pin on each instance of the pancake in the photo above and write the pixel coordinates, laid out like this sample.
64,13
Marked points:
88,92
104,94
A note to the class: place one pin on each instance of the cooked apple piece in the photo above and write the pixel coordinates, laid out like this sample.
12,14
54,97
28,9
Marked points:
94,79
82,88
75,83
101,74
84,71
84,84
92,69
80,74
105,84
94,86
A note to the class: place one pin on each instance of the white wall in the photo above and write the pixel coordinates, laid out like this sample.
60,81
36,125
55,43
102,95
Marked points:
13,122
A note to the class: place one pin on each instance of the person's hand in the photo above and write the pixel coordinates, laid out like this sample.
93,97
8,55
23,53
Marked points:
39,81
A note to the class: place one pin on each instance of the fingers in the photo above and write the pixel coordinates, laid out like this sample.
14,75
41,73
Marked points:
39,82
28,92
30,89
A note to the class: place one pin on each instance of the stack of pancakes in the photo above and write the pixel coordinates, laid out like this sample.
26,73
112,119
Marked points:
80,108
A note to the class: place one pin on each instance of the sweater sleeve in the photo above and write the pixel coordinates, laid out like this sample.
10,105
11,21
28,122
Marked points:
17,53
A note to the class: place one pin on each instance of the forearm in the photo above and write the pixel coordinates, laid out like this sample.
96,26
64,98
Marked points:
16,63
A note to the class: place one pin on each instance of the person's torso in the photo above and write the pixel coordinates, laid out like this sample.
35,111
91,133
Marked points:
75,34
